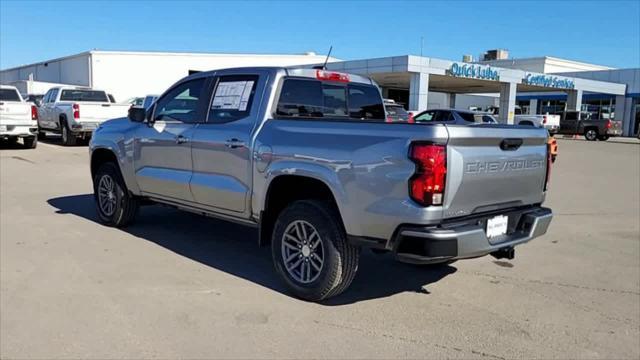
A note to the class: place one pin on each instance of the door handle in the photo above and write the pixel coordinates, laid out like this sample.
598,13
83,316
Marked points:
181,139
234,143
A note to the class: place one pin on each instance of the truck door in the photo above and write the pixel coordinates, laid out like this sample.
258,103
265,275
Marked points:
569,122
221,147
162,151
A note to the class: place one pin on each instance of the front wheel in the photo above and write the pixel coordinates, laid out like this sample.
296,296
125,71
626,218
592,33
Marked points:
310,251
591,135
114,204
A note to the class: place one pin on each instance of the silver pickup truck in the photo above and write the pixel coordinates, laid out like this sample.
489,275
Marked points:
306,156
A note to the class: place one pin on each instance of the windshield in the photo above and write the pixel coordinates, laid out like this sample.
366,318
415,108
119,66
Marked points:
83,95
9,95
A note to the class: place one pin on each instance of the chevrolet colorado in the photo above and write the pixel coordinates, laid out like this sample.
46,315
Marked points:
306,157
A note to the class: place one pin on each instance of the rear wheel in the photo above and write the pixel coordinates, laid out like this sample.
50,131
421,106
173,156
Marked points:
68,138
310,251
41,133
30,142
114,204
591,134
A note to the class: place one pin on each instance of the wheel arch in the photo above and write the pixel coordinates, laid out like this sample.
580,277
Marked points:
284,189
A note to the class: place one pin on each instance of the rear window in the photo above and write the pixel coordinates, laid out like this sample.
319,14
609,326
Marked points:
83,95
469,117
396,110
305,98
9,95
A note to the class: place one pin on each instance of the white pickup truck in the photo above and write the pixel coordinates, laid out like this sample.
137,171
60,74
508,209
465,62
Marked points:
75,112
18,119
549,122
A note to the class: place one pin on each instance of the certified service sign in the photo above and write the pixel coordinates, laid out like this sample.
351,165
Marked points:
548,81
473,71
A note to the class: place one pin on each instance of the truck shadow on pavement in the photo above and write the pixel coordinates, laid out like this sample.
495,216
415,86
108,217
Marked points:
233,249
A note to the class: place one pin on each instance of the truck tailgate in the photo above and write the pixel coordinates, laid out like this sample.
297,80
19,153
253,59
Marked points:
99,112
487,170
15,113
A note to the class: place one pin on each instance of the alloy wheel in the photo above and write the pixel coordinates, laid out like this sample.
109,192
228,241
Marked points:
106,195
302,251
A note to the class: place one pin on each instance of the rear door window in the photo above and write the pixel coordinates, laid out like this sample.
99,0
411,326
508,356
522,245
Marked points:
468,117
427,116
9,95
307,98
232,98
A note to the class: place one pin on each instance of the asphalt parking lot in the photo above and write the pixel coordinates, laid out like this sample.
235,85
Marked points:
180,285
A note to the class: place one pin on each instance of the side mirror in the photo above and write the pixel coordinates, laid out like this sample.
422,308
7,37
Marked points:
137,114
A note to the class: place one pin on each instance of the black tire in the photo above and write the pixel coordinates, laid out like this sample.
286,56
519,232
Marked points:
125,206
340,259
591,134
68,138
41,134
603,137
30,142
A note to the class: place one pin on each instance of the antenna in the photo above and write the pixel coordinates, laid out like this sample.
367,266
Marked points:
324,66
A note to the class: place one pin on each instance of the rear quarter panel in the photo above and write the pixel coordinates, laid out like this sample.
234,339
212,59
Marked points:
365,165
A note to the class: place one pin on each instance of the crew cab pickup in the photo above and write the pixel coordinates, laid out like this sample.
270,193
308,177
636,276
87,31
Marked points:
18,119
548,121
75,112
583,122
306,156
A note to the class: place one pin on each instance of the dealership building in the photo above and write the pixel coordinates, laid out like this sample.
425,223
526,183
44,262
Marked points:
533,85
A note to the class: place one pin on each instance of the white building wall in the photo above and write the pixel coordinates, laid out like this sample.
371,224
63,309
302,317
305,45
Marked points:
130,74
72,70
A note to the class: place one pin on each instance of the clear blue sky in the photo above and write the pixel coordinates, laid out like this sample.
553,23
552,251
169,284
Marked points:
601,32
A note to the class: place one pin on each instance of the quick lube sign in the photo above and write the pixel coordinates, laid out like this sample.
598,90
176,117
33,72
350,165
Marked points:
548,81
473,71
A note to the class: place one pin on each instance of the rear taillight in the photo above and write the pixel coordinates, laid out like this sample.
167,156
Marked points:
332,76
426,187
544,119
389,119
609,124
76,111
34,112
410,119
547,176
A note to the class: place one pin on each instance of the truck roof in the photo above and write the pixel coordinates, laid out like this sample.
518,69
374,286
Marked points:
287,71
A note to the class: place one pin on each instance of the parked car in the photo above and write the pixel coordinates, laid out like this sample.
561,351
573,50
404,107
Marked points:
454,116
76,112
18,119
547,121
495,110
306,157
396,112
582,122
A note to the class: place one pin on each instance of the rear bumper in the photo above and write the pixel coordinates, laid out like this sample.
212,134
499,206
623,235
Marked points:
552,128
84,126
614,132
466,238
7,131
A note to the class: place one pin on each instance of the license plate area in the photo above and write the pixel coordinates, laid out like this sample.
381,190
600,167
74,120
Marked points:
497,226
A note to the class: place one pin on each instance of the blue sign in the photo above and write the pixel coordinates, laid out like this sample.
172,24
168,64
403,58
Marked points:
548,81
473,71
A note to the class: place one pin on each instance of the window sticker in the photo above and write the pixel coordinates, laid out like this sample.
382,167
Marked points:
232,95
